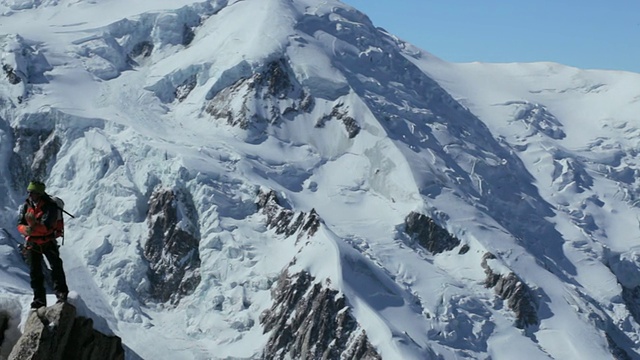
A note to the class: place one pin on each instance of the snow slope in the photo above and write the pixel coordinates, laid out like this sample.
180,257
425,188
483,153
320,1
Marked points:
533,163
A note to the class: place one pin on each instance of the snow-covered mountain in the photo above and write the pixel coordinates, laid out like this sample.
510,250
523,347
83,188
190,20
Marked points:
282,179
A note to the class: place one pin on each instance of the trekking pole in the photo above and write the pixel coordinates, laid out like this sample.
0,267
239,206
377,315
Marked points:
66,212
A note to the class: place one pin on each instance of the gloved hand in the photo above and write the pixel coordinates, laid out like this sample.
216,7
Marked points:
25,230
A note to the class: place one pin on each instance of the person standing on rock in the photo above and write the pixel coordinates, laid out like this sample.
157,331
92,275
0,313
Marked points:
38,216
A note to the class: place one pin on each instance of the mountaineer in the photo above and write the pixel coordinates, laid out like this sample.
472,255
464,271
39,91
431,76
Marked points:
37,222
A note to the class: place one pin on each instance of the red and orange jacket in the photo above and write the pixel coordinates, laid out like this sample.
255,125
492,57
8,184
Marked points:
36,221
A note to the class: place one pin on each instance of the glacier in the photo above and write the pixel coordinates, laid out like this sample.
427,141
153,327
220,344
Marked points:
220,156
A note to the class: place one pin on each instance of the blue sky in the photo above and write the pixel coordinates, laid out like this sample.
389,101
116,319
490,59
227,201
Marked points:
589,34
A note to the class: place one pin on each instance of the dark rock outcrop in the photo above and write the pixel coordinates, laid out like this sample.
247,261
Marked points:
340,114
13,78
510,287
268,96
59,334
184,89
309,321
429,234
285,221
172,246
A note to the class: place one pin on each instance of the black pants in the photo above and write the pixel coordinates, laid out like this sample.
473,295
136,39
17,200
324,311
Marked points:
34,258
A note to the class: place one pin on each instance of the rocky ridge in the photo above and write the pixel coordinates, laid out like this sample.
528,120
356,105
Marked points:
311,321
56,333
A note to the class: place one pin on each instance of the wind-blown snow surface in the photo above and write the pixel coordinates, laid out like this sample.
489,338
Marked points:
534,163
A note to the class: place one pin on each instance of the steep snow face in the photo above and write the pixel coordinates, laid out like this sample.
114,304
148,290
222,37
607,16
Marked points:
575,131
206,105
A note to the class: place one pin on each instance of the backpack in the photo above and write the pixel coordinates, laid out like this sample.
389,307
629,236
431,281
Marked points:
58,227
